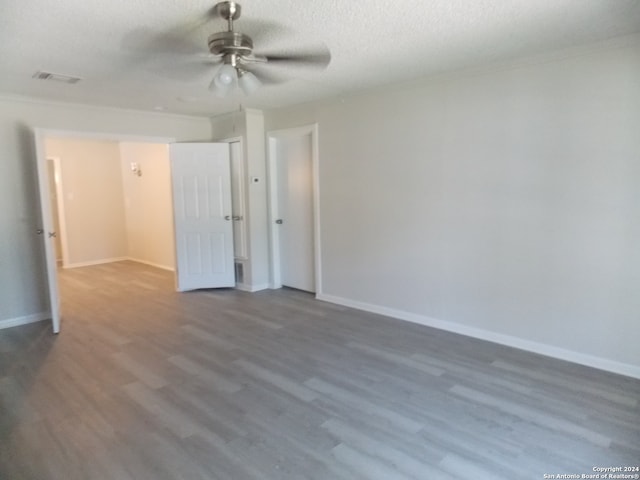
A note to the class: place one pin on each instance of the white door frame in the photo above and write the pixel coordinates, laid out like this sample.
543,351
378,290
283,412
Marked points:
40,134
274,236
242,189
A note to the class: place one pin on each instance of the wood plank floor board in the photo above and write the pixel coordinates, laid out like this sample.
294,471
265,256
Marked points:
276,444
159,455
146,383
303,426
413,399
205,373
219,458
126,418
223,419
358,404
276,380
472,437
414,462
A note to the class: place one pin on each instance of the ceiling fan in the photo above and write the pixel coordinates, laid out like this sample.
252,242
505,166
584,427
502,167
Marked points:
240,65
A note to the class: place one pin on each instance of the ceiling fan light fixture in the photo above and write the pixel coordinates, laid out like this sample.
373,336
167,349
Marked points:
248,82
219,89
226,77
234,50
224,80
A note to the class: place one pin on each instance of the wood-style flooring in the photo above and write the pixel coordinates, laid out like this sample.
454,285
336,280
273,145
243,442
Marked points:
145,383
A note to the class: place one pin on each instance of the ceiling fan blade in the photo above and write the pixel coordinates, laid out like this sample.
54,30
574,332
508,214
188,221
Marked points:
146,42
185,70
187,37
318,58
268,78
262,30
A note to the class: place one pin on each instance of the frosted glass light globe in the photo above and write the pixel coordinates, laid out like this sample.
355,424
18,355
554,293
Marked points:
226,76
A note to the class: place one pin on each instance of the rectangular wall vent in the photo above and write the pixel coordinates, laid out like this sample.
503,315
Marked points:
239,272
56,77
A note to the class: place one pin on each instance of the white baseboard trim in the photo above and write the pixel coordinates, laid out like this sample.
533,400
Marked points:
507,340
117,259
95,262
16,322
251,288
152,264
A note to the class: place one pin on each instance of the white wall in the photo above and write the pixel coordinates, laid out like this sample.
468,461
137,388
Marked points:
257,193
23,294
149,211
93,200
502,203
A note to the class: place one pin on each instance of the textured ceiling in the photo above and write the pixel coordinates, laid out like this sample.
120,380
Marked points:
138,53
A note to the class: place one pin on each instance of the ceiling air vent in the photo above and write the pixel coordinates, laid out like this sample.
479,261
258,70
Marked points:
39,75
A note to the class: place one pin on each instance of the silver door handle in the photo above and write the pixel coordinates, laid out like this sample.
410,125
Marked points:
237,218
279,221
227,217
39,231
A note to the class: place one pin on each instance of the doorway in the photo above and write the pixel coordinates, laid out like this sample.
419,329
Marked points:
192,188
294,208
114,203
48,229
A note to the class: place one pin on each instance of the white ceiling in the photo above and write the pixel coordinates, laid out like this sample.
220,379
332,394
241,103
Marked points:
116,46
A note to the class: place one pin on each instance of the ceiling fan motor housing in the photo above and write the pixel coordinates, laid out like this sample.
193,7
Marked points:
222,43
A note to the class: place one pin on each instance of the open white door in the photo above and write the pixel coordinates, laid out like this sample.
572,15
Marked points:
201,181
47,230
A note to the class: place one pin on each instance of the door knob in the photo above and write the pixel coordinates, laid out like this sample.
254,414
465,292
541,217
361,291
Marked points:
227,217
279,221
39,231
